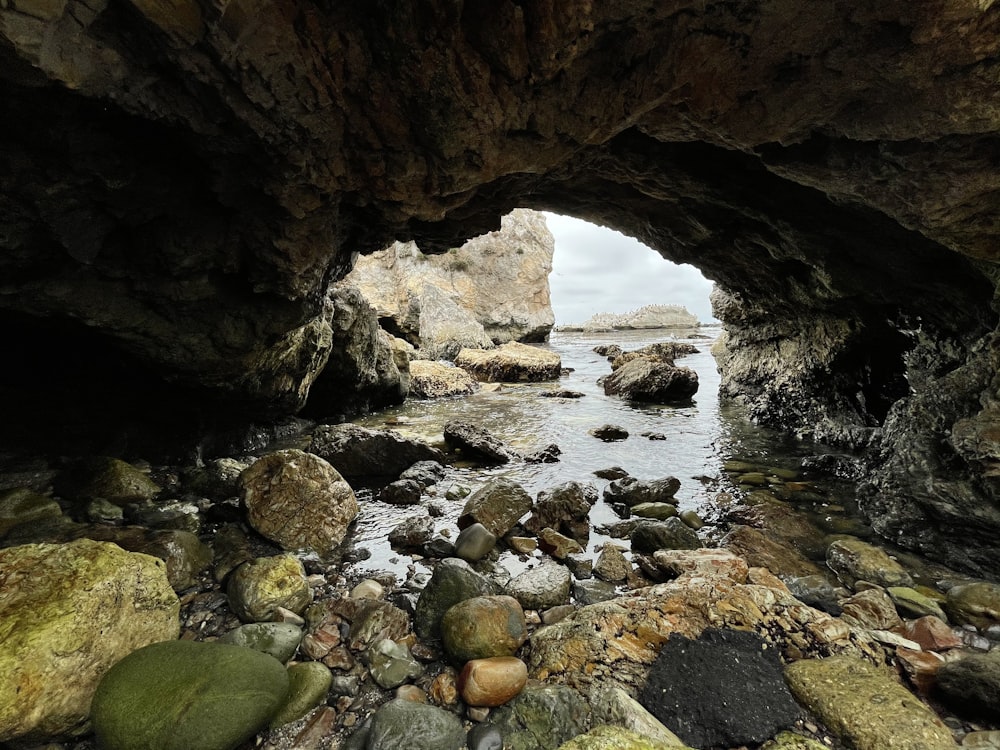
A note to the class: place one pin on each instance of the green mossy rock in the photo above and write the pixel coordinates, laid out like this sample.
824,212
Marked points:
180,695
277,639
607,737
483,626
542,717
21,505
114,480
792,741
414,726
308,685
256,588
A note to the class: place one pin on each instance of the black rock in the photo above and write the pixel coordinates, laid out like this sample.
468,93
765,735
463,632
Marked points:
476,442
609,433
971,686
724,689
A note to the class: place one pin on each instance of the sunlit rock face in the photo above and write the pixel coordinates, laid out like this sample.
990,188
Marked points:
180,183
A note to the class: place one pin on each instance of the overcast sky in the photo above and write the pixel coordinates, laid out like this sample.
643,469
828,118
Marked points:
596,269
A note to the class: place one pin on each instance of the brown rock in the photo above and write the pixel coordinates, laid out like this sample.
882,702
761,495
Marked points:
871,608
932,633
444,688
510,363
492,682
483,626
759,551
558,545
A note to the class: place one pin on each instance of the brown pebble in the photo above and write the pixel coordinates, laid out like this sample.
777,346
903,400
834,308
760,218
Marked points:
444,689
411,693
493,681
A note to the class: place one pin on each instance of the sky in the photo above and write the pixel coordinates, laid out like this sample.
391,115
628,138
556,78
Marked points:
596,269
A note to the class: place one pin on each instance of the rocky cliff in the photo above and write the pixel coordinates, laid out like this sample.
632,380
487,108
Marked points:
500,279
181,183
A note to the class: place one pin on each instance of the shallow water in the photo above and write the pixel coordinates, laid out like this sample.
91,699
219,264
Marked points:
698,438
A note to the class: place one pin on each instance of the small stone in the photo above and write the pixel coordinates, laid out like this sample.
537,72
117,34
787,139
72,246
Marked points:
976,604
391,664
308,685
412,534
493,681
932,633
317,729
546,586
444,688
523,545
555,614
401,492
870,609
558,545
484,737
474,542
692,519
175,694
411,693
921,667
100,511
610,433
257,587
593,591
911,603
580,565
110,478
368,589
483,626
854,560
274,638
288,617
477,714
612,564
657,511
457,492
453,581
971,686
498,506
612,473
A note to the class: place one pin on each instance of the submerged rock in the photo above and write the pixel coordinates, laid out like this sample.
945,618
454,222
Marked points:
357,451
429,379
510,363
497,505
476,442
69,612
642,379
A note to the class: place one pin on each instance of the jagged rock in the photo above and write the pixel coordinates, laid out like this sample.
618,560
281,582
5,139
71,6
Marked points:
357,451
104,601
565,508
500,278
436,380
446,329
632,491
477,442
664,351
510,363
642,379
673,533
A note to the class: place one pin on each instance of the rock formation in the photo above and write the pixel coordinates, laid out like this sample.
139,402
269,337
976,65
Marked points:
500,278
180,184
648,316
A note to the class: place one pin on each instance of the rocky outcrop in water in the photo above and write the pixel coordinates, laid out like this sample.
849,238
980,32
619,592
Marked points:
649,316
498,281
180,186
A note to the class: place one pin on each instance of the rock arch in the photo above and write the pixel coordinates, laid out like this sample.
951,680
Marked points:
188,177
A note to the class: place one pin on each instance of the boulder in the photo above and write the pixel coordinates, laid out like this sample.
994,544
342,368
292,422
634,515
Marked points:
497,505
612,564
22,506
186,694
474,542
298,500
482,627
698,689
646,380
475,442
511,363
970,686
492,681
452,581
412,534
866,707
976,603
108,478
429,379
547,585
854,560
631,491
68,612
309,684
357,451
401,492
415,726
258,587
542,717
673,533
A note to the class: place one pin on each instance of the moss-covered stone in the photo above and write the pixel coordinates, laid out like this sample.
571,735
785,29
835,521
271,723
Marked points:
67,613
21,505
259,586
606,737
308,685
279,639
179,695
542,717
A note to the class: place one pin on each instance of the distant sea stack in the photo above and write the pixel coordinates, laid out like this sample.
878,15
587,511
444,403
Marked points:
648,316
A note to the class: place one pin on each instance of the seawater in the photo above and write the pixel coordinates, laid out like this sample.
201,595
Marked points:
698,437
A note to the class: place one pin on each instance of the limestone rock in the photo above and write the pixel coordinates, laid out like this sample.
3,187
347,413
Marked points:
655,382
865,706
446,329
357,451
298,500
500,279
187,694
69,612
260,586
510,363
482,627
438,380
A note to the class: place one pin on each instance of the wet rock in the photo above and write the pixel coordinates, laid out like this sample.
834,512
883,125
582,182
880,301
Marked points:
546,586
608,350
542,717
606,737
610,433
971,686
872,609
864,706
475,442
911,603
697,688
453,581
976,604
298,500
183,553
692,519
114,480
232,548
558,545
218,479
565,508
260,586
484,737
492,681
497,505
580,565
631,491
760,551
432,379
656,511
427,473
357,451
412,534
643,379
367,589
613,706
482,627
415,726
612,472
650,536
401,492
562,393
391,664
931,634
817,591
547,455
792,741
308,686
21,506
593,591
372,620
474,542
510,363
101,511
277,639
211,696
854,560
611,564
173,516
69,612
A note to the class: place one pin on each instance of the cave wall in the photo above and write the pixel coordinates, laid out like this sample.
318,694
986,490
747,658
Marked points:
188,178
